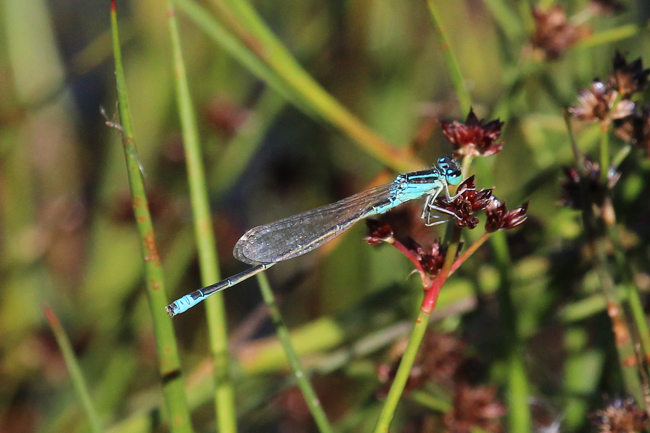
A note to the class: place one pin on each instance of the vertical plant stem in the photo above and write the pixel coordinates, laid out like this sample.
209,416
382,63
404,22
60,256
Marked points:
417,334
457,79
621,155
506,18
634,299
403,371
78,380
604,157
469,251
519,418
204,234
594,233
320,418
168,359
633,296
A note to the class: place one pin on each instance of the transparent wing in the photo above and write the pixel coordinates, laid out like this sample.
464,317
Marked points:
296,235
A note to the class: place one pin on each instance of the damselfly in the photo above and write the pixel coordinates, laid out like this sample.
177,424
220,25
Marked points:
268,244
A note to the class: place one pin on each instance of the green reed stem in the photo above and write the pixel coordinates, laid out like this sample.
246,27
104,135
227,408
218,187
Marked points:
457,79
518,389
621,155
417,334
634,298
204,236
78,380
168,359
611,35
519,417
604,158
320,418
403,372
594,233
639,322
508,21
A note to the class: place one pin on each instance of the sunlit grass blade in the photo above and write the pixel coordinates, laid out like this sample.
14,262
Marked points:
315,407
507,20
518,388
168,359
611,35
204,236
78,380
457,79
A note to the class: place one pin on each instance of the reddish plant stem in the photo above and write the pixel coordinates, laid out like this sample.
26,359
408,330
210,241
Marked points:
426,279
469,251
431,294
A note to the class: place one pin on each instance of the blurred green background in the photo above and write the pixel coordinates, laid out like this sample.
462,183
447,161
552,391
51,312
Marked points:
68,240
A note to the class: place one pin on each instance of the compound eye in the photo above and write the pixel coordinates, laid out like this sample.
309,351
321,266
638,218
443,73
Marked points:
454,177
443,162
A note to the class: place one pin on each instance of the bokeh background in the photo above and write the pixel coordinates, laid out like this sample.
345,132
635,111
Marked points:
68,239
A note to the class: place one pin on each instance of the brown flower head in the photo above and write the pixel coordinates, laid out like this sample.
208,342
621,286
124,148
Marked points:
601,103
628,78
468,202
475,407
378,232
606,7
635,129
431,260
571,195
553,33
620,416
472,137
498,217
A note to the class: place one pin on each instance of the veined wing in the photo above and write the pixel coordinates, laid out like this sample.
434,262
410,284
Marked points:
298,234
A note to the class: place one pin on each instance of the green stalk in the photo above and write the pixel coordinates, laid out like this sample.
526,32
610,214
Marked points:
580,310
621,155
204,236
612,35
518,393
632,292
634,299
78,380
417,334
457,79
508,21
403,372
301,377
519,417
168,359
596,244
639,321
431,402
604,158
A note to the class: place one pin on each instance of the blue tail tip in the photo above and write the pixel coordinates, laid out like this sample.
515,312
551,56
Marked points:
172,309
181,305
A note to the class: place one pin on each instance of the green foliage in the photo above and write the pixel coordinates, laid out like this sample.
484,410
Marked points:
289,106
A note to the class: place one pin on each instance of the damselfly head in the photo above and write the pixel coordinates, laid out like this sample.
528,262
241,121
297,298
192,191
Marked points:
450,170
